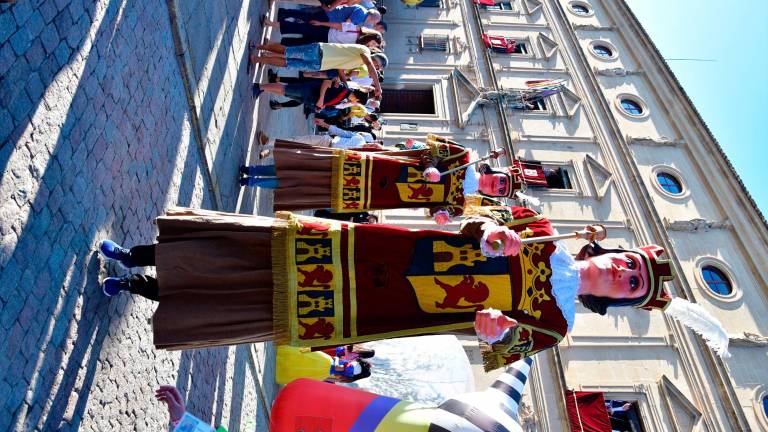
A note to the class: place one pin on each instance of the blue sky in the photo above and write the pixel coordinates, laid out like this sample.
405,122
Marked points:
731,93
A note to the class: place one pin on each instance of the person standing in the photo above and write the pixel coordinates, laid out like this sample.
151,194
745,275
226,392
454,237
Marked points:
322,57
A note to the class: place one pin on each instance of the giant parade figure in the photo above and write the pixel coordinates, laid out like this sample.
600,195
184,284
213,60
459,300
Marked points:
439,176
309,405
306,404
226,279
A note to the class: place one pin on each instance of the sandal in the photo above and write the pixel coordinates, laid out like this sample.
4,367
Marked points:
261,138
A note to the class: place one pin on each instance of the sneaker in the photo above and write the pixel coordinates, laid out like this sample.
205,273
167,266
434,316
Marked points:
112,286
271,76
114,251
245,181
256,90
243,170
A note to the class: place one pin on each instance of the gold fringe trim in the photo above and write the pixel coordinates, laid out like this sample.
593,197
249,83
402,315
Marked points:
284,215
474,200
525,221
281,289
337,174
440,139
470,209
471,200
490,357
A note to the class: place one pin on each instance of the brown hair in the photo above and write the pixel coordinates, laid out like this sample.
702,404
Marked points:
367,35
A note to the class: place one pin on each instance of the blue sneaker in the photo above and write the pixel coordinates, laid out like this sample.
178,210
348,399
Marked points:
256,92
114,251
115,285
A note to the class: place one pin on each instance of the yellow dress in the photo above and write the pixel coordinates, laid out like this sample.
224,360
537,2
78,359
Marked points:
292,363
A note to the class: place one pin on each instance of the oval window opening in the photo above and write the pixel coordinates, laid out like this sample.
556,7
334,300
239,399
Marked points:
580,9
718,283
631,107
765,405
669,183
602,51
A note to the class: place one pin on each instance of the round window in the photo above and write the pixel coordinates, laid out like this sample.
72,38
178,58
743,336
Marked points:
765,405
718,282
602,51
631,107
669,183
580,9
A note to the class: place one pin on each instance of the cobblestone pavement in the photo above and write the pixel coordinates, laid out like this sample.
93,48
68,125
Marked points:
215,40
96,139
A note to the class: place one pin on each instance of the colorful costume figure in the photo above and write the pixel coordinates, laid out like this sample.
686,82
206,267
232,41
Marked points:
306,405
328,365
417,282
335,283
292,363
354,180
226,279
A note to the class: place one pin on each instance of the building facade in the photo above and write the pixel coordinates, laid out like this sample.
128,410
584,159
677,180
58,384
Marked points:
627,149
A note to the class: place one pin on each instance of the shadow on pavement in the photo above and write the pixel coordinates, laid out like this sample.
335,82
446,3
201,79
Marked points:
112,184
227,131
84,353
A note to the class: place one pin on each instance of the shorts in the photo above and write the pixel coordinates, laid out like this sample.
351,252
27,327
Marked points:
306,58
306,92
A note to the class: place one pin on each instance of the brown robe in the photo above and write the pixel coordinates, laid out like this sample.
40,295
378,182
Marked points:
305,181
214,272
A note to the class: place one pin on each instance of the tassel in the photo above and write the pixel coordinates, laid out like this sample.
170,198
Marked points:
702,322
490,358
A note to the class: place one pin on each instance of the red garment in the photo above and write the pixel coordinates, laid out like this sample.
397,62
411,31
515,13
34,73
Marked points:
500,44
337,100
340,283
369,180
587,412
533,173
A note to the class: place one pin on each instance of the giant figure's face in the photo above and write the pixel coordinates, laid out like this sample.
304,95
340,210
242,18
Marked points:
494,184
617,275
